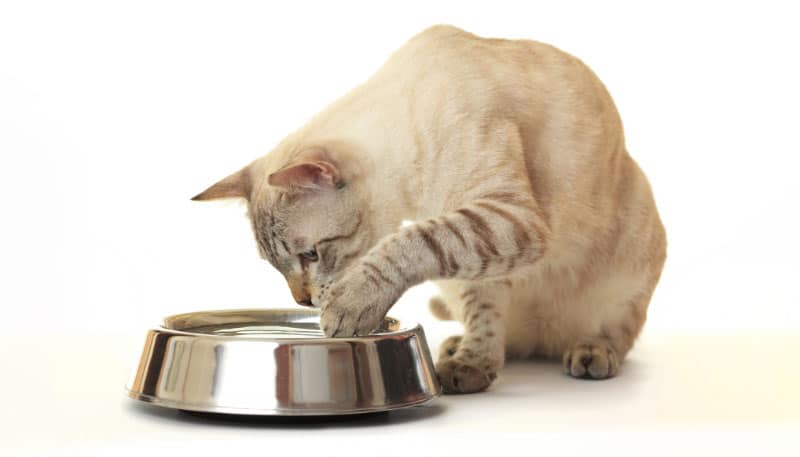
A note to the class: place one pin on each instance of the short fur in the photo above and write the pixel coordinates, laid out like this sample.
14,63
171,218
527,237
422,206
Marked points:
509,157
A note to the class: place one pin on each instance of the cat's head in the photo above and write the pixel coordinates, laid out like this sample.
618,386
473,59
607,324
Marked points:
311,216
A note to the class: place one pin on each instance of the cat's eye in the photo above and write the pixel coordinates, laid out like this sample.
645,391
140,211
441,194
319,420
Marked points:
310,256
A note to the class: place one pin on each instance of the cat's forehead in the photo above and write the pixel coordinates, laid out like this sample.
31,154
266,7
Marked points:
269,212
275,219
269,228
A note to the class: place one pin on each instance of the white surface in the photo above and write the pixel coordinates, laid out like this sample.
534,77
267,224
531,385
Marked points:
112,115
676,395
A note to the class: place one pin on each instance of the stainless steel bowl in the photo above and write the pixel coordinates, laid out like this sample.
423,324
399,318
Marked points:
278,362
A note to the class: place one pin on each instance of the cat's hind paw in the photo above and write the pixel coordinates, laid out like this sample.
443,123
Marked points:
591,360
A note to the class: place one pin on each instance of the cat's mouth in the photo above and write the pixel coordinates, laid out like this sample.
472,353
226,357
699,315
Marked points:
310,302
307,303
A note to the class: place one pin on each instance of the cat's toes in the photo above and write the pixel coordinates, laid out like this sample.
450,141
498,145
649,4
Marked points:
457,377
439,309
449,347
591,360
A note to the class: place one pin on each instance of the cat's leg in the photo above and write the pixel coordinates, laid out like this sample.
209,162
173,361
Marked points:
497,228
488,238
599,356
470,363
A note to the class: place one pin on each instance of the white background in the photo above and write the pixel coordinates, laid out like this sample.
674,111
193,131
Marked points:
113,114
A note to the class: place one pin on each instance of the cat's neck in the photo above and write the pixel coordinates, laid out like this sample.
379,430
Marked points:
384,173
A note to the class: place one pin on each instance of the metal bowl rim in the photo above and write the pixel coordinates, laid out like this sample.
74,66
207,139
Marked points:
416,329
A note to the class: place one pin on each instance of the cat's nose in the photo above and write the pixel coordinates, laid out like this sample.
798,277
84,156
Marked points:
297,286
303,299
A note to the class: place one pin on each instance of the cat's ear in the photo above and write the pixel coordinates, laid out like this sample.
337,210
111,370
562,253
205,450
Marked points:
236,185
312,170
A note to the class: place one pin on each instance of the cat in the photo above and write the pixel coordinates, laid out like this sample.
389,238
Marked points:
509,157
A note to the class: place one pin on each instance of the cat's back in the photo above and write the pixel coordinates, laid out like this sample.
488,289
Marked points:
444,72
454,52
569,126
522,79
449,44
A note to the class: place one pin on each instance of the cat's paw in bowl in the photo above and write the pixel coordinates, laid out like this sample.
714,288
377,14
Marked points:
356,304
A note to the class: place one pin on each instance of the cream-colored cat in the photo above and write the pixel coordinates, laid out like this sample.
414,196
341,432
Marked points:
510,158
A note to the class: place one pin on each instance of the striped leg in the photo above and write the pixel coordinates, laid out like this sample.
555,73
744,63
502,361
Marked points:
497,226
488,238
469,363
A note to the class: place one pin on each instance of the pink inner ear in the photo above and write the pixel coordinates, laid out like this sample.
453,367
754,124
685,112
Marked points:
306,175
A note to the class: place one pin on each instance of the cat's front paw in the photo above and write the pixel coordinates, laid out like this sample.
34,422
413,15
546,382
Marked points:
356,304
449,347
458,377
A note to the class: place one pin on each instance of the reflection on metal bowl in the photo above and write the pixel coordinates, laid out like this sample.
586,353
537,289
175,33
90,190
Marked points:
278,362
